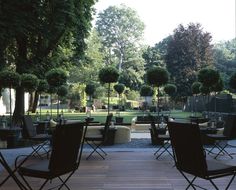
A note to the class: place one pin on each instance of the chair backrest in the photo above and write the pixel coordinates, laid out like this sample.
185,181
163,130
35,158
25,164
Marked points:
230,126
107,125
187,147
67,144
28,128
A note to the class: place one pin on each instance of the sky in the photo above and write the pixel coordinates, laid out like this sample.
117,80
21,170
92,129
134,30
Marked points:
161,17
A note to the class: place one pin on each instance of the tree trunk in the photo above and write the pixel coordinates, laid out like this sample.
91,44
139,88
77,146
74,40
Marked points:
35,103
108,95
20,68
31,101
19,107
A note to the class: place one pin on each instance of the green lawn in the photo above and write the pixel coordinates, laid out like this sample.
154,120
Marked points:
101,115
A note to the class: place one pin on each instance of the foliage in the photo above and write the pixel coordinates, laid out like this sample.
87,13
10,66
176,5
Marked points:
108,75
208,77
155,56
188,51
225,58
170,89
56,77
119,88
205,89
157,76
196,87
120,29
232,81
29,82
9,79
219,86
43,86
90,89
86,70
77,95
62,91
31,32
146,91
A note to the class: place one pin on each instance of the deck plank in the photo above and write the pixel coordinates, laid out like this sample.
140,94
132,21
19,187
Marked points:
127,171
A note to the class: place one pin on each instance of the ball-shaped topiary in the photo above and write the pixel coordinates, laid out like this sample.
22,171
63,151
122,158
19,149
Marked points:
205,89
157,76
43,86
146,91
170,89
108,75
208,77
56,77
196,87
9,79
219,86
119,88
90,89
62,91
232,81
29,82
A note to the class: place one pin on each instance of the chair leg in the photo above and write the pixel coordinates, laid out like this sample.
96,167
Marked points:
95,146
165,146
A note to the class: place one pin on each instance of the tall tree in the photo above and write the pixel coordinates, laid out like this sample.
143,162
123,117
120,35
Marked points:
31,30
122,32
188,51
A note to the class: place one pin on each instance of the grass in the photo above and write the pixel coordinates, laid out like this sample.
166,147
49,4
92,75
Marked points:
100,115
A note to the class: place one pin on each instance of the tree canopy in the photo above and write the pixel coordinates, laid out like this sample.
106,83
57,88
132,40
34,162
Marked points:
188,51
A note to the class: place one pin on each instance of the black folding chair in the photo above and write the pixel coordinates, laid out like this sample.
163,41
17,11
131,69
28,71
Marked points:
190,157
41,142
67,145
163,138
96,141
229,133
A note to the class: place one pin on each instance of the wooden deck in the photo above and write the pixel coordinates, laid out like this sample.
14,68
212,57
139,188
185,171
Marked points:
127,170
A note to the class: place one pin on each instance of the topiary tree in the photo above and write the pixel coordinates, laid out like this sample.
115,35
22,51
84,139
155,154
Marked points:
157,77
42,87
146,91
108,75
90,90
119,88
195,88
170,89
208,77
62,91
9,79
55,78
29,82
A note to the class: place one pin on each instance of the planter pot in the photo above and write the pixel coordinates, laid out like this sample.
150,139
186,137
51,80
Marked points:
119,119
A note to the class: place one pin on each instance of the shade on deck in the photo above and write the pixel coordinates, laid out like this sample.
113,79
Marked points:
126,169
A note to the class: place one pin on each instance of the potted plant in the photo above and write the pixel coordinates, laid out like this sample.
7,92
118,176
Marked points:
119,88
9,79
170,90
195,91
208,77
62,91
108,75
55,78
157,77
146,91
42,87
